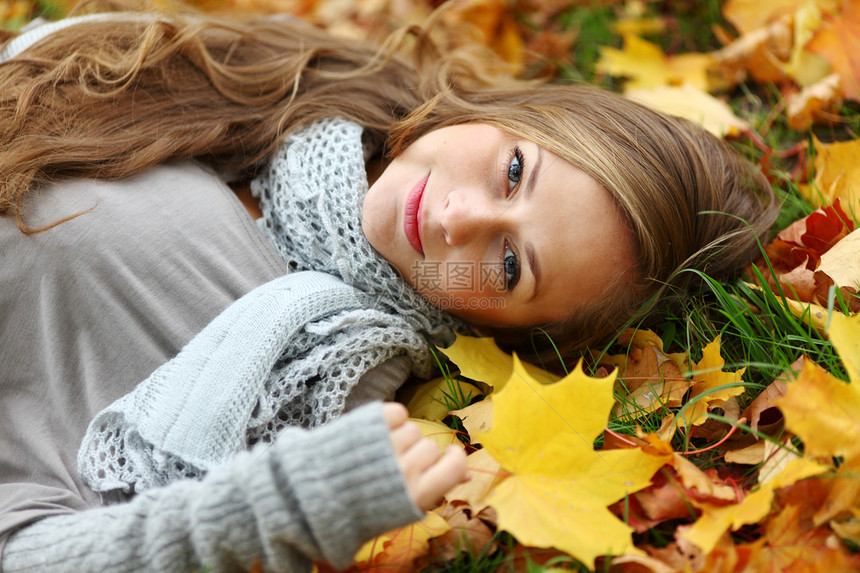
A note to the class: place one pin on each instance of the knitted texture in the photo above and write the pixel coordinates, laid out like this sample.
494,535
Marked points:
310,495
312,197
289,352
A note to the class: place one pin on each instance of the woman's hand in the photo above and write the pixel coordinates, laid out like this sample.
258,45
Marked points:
428,475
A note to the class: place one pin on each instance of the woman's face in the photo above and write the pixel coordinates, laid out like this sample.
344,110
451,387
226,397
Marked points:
494,228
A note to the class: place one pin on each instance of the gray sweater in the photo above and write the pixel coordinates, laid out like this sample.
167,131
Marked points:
311,495
96,304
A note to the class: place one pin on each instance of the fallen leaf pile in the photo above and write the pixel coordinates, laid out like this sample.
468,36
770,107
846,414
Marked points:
732,476
537,474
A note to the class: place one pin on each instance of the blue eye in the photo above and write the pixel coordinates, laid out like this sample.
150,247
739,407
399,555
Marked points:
511,266
515,170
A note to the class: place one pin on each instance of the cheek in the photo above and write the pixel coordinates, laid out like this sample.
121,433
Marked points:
458,280
459,289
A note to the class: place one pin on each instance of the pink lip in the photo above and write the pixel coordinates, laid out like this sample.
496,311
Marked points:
412,215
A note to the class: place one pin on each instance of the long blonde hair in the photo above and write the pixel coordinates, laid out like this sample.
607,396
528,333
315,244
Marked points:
136,92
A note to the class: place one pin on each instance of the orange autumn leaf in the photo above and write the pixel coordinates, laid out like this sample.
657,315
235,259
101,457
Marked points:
838,41
816,102
717,519
496,24
806,240
749,15
396,551
557,487
807,263
794,544
649,379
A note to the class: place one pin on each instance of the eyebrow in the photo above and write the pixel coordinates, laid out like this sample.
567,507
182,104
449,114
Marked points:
530,252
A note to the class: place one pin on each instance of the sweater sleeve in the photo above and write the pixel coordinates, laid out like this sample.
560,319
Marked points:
310,495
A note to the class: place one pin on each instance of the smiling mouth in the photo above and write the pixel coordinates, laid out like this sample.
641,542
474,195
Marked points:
412,215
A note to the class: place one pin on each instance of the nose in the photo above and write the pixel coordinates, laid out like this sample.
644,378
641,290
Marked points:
465,216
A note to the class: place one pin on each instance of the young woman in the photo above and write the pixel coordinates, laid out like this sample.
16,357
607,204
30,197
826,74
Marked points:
391,203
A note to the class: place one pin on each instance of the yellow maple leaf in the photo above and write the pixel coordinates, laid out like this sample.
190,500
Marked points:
647,66
842,261
823,410
717,519
709,383
837,175
481,359
558,487
692,103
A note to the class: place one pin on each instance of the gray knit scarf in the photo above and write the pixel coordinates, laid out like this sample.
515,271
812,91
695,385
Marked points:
289,352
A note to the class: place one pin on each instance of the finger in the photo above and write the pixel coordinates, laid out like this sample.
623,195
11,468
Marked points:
404,437
420,456
394,414
440,477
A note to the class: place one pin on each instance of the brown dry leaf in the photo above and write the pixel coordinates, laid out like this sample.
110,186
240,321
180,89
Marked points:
664,500
692,103
684,556
640,564
647,66
701,482
469,533
817,103
649,379
712,429
762,410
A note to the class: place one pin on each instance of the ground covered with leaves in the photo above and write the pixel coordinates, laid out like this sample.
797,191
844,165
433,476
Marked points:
727,439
